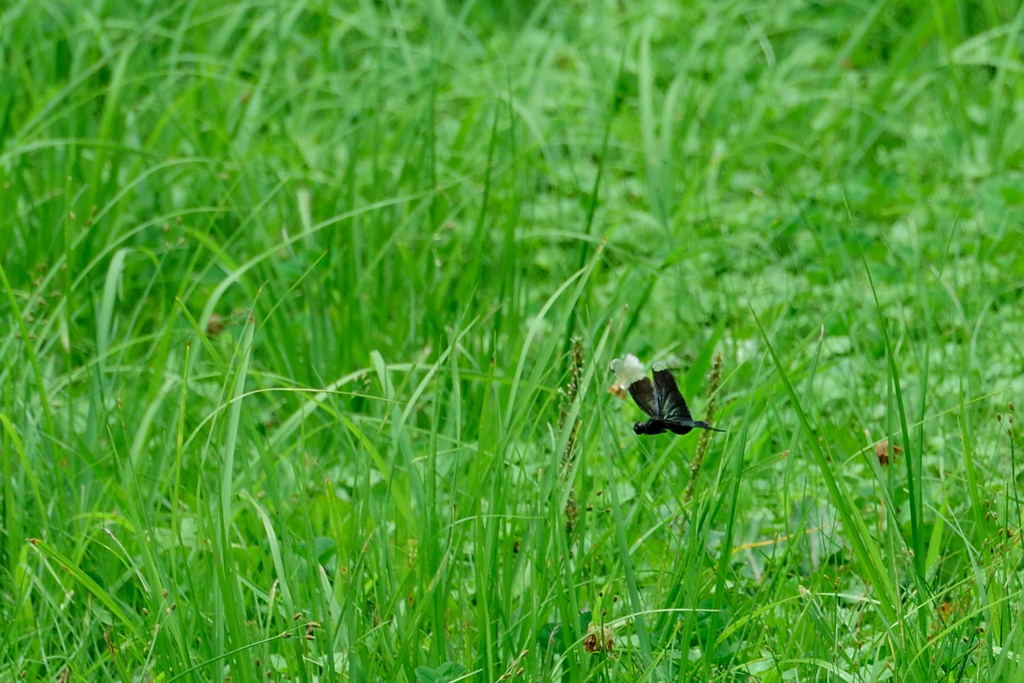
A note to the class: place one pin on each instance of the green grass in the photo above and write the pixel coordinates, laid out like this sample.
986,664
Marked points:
306,312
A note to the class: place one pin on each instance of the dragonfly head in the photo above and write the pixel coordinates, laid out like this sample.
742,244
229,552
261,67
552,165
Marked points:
647,428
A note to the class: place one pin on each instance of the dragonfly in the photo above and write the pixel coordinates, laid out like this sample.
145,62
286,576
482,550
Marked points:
664,405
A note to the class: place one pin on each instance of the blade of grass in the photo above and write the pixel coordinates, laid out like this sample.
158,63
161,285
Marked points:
858,534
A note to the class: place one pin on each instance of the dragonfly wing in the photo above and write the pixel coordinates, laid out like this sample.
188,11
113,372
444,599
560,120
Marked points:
642,392
670,402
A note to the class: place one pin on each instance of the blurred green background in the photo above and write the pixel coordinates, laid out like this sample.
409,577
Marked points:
307,311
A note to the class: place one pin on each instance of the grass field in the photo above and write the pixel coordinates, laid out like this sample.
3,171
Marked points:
307,310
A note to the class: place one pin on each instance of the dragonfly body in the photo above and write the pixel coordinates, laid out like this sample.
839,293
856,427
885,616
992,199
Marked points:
655,426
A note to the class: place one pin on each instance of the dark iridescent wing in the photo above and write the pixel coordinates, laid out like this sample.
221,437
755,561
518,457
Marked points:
642,392
670,403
